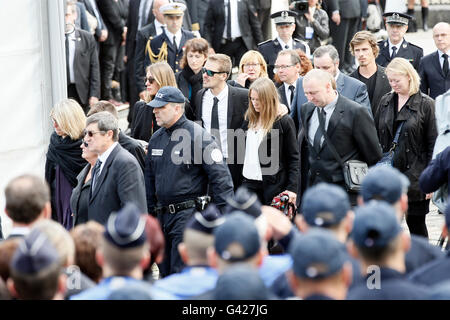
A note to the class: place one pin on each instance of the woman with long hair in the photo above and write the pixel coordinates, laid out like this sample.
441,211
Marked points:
411,112
64,161
271,158
251,67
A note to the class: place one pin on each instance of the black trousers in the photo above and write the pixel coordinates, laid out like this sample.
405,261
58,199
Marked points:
108,57
342,34
234,49
172,226
255,186
73,94
415,217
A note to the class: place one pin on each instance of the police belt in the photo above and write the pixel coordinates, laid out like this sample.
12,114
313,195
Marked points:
174,208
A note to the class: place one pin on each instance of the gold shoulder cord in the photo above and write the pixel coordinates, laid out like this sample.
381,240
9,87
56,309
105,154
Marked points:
161,56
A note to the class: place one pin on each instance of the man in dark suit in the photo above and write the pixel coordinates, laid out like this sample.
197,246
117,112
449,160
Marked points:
116,176
114,16
27,200
287,67
285,25
396,46
350,15
327,59
348,126
168,46
82,65
434,68
221,107
101,32
232,28
365,49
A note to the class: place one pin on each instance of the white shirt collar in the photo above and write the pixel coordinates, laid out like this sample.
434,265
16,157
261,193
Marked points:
398,45
283,44
337,75
158,27
222,93
177,36
441,53
106,154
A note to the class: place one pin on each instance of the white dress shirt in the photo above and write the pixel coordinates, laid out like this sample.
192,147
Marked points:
441,59
288,92
105,156
72,40
159,27
235,29
222,106
314,120
290,44
177,36
252,166
398,45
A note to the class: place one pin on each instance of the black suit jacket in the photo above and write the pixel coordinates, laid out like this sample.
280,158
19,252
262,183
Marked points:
282,95
143,35
121,180
114,15
248,23
237,106
406,50
86,66
382,87
100,23
351,130
132,25
134,147
432,79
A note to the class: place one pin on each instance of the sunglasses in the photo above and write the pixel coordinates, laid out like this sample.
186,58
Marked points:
211,73
150,80
91,133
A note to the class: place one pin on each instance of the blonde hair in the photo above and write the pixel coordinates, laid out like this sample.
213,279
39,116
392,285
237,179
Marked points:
164,76
403,67
268,100
70,118
254,56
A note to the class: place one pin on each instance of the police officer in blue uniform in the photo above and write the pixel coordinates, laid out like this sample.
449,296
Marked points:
396,45
168,46
285,25
182,160
124,254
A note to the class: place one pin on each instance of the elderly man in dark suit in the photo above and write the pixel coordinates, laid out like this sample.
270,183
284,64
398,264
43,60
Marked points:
232,28
434,68
329,117
365,49
327,58
82,65
221,107
116,177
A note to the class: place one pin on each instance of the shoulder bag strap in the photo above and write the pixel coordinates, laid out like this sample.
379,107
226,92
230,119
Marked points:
397,136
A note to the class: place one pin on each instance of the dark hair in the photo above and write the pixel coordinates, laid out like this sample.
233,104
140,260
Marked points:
26,196
7,249
103,105
105,121
199,45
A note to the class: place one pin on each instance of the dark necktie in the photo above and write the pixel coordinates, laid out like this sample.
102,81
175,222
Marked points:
95,174
394,51
291,88
175,42
229,20
67,59
215,120
445,65
320,129
286,47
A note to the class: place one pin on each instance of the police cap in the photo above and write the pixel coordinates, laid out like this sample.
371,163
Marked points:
207,220
284,17
173,9
166,95
397,18
384,183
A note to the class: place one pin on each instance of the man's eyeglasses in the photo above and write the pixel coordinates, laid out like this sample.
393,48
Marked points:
91,133
211,73
282,67
150,80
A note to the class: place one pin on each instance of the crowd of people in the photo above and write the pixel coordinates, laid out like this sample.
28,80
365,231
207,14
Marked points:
288,179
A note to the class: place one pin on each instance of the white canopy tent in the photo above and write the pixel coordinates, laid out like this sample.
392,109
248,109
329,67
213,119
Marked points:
32,79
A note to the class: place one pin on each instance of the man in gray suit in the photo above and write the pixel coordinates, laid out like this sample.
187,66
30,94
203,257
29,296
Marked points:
116,176
326,58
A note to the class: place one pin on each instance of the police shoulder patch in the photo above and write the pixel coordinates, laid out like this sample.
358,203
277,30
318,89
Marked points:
264,42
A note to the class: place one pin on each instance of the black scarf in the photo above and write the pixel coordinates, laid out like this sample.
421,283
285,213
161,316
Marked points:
66,153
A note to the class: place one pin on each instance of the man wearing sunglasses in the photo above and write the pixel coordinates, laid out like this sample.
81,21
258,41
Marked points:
221,107
168,46
117,177
182,163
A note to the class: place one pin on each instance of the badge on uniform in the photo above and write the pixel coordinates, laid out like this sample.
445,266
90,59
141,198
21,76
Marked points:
157,152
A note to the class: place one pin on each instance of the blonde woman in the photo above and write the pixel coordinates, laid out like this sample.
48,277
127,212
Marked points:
417,135
64,161
159,75
251,67
271,150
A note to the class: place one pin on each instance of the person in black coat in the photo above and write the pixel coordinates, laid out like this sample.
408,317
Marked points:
417,137
190,78
64,161
365,49
437,173
270,135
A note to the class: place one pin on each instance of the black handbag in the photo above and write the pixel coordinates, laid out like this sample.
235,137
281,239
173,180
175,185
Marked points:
354,171
388,157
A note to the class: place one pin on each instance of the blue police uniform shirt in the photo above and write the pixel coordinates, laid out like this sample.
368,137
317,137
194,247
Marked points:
168,182
421,253
393,286
108,285
432,273
273,266
191,281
